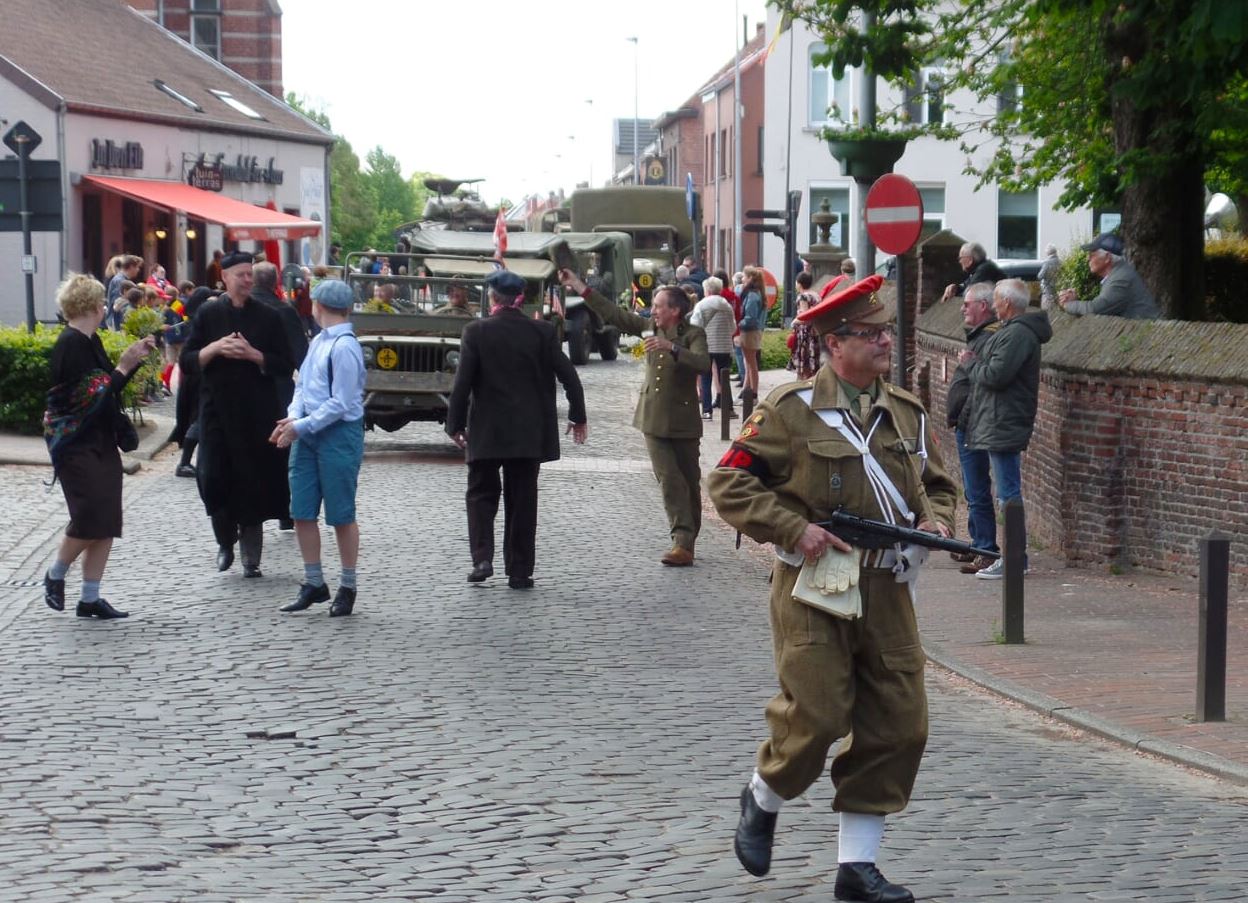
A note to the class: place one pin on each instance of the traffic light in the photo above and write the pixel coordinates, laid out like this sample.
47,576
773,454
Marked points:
787,232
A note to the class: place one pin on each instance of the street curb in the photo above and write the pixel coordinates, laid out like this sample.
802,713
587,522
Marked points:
30,451
1093,724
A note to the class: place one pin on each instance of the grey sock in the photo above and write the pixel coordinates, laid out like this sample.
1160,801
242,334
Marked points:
58,570
347,578
312,574
90,590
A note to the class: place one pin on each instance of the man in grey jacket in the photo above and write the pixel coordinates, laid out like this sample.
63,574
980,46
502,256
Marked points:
1005,391
1123,293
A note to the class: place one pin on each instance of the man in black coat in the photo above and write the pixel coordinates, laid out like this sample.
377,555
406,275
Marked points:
507,369
239,349
264,290
978,268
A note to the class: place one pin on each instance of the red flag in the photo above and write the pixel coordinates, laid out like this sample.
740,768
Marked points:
500,234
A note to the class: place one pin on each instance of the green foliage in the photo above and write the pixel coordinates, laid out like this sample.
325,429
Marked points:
775,313
775,349
1226,280
25,377
1074,273
143,321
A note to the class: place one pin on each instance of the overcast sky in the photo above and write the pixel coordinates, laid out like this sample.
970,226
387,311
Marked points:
494,88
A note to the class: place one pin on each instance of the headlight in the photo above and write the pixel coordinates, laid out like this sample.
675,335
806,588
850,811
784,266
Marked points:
452,360
370,356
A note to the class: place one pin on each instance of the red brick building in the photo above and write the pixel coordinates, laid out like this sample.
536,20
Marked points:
245,35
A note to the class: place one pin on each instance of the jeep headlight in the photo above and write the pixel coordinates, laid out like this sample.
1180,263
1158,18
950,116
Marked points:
452,360
370,356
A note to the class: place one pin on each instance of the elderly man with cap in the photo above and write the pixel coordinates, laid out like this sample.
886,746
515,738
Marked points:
239,348
1123,293
502,410
844,439
667,406
325,426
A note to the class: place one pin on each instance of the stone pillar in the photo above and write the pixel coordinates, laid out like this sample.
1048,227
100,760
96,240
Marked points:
937,267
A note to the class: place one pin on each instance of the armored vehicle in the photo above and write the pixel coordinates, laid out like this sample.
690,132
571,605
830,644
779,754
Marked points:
655,218
604,258
410,333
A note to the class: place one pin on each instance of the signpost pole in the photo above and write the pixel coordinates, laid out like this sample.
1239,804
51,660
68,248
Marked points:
902,375
23,153
894,221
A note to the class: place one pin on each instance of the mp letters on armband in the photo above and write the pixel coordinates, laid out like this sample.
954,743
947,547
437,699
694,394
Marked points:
742,458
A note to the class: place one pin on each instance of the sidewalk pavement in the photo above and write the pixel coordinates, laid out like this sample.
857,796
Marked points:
1111,654
153,437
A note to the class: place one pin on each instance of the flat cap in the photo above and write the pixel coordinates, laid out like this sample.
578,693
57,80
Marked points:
858,303
234,258
505,283
1106,241
333,293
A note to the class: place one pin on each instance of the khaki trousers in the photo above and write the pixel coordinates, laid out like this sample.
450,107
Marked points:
861,680
676,467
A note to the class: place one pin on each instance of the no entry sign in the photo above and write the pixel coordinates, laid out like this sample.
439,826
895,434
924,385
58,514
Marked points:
894,214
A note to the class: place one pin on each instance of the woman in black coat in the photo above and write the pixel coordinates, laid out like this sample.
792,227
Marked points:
83,426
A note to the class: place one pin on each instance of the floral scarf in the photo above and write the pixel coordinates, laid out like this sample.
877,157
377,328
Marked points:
72,407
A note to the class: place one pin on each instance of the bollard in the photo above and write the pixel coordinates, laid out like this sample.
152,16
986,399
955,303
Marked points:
1215,565
725,403
1015,550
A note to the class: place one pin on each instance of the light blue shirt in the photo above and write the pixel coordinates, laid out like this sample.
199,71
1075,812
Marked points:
313,407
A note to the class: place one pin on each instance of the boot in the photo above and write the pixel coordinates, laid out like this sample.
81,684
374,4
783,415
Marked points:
250,547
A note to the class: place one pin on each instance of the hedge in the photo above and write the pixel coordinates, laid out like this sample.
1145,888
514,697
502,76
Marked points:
1226,280
25,378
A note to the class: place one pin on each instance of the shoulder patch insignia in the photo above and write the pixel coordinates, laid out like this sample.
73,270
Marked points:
749,431
756,418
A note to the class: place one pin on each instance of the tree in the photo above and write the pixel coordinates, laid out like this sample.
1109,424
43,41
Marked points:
393,192
1123,99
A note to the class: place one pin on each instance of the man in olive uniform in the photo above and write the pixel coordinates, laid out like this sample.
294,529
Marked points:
667,409
845,439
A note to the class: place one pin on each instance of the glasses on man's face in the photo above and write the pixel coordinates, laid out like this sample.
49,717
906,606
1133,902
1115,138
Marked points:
872,334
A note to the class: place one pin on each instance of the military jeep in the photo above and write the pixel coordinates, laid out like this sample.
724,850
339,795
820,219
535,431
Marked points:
409,337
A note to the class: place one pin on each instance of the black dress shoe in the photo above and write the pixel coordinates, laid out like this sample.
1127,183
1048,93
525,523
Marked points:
285,524
225,557
252,571
344,602
54,593
480,571
185,470
520,582
756,832
862,882
308,596
99,609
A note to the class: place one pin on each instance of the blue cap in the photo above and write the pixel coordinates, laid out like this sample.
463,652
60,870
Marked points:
1106,241
333,293
505,283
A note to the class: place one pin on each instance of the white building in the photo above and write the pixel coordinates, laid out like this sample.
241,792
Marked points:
163,151
1009,226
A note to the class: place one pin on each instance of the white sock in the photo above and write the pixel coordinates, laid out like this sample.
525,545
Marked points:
768,800
859,837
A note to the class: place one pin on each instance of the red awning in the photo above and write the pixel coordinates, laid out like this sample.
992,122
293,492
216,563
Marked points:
242,221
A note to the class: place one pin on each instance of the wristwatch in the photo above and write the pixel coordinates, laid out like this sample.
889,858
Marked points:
675,351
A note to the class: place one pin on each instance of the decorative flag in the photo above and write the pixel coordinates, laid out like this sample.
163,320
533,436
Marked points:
500,234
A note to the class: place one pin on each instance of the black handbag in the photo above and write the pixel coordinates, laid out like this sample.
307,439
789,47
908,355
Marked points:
127,435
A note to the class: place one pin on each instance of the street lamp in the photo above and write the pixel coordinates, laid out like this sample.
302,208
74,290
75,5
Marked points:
636,158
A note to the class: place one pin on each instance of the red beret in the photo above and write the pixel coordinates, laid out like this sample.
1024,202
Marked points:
858,303
834,284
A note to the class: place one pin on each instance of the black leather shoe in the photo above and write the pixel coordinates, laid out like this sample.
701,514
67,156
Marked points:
225,557
285,524
480,571
756,832
308,596
99,609
862,882
520,582
344,602
54,593
185,470
252,571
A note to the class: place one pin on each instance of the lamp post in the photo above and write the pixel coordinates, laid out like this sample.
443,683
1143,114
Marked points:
636,158
590,102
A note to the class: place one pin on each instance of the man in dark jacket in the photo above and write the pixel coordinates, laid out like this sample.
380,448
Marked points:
978,268
981,325
264,290
1005,381
507,369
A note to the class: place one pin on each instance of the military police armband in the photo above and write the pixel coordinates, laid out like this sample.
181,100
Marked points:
741,458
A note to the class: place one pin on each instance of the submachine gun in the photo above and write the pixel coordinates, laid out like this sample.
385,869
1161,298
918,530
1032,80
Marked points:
864,533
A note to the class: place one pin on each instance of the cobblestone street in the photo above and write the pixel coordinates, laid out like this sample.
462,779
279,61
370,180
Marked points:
584,741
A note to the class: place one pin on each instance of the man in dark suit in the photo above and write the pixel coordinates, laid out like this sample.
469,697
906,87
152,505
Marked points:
507,368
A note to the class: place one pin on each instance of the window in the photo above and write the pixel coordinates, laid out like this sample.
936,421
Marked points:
723,153
1017,225
1010,98
234,103
925,97
759,170
1105,219
933,210
838,203
177,95
206,27
829,97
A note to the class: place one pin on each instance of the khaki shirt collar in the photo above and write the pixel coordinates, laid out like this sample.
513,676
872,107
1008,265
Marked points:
829,392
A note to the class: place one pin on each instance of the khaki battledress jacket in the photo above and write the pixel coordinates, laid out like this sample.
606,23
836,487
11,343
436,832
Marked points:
668,404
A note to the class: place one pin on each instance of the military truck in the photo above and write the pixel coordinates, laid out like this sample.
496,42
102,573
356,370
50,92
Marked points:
655,218
604,258
410,343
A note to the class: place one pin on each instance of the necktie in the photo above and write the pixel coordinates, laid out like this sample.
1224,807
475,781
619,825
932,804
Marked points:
863,405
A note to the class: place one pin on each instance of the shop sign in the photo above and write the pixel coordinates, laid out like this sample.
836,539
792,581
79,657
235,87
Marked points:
248,169
206,176
107,155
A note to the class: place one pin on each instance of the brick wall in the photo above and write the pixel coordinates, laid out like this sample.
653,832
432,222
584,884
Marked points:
1141,441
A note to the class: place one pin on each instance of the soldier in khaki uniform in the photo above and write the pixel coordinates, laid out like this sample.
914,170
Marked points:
797,459
667,409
